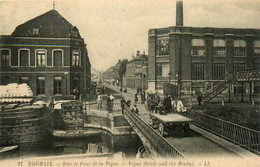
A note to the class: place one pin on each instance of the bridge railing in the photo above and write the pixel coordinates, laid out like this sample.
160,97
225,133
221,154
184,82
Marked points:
162,147
115,107
237,134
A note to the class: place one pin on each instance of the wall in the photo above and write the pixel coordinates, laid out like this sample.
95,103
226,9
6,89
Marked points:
115,124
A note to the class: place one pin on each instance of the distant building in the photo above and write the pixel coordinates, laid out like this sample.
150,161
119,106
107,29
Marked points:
136,72
48,53
195,57
112,73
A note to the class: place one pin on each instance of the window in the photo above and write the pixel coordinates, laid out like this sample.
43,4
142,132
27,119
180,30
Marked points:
23,80
257,87
57,85
198,47
36,31
163,46
257,47
75,58
239,66
218,70
163,69
239,48
24,57
57,57
4,57
41,57
219,47
198,71
40,85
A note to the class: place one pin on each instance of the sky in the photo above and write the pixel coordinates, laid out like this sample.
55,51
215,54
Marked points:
115,29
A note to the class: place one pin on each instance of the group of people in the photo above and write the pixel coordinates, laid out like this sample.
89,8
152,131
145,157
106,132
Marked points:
167,105
142,95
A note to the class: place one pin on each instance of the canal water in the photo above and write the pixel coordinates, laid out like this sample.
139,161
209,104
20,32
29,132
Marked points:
106,143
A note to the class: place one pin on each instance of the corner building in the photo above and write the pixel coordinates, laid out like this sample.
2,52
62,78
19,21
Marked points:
195,57
48,54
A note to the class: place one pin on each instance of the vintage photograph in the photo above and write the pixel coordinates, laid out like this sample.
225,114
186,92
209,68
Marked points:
118,83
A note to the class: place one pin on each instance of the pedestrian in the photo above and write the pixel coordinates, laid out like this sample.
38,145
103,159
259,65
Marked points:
173,102
121,89
135,110
136,98
167,104
99,100
112,98
142,97
199,98
180,107
109,104
128,103
76,93
123,102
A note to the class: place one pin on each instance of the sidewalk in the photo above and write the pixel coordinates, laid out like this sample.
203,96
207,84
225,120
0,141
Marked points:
143,111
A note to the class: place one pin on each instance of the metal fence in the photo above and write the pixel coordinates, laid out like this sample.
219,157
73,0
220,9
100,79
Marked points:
115,107
162,147
237,134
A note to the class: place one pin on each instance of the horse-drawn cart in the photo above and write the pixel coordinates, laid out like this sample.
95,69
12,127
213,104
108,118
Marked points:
170,121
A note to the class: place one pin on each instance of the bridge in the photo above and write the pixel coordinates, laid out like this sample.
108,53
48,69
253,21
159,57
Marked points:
209,136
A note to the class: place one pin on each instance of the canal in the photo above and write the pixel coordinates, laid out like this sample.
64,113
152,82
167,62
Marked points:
106,144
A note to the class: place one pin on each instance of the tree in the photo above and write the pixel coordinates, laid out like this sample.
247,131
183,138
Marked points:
122,69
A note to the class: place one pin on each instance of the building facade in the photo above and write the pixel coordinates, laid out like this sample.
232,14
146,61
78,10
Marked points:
48,54
136,72
194,57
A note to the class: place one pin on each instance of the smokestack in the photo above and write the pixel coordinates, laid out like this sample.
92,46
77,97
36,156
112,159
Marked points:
179,13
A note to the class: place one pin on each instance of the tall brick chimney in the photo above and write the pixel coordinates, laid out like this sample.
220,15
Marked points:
179,13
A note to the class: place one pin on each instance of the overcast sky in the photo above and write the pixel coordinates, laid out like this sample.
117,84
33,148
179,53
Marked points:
114,29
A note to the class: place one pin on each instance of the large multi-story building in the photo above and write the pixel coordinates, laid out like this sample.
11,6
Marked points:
136,72
48,54
194,57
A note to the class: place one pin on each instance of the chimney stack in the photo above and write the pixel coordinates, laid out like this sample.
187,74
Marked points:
179,13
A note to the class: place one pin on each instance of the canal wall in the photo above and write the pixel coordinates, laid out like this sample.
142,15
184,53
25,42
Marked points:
116,124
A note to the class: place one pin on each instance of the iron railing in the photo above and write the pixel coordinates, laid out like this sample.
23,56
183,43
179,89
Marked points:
162,147
242,136
115,107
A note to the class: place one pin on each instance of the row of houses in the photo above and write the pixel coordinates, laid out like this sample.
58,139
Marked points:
131,74
48,53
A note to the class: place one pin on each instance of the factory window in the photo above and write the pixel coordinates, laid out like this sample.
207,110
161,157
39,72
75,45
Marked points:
24,57
40,85
75,58
257,87
198,71
239,48
163,46
257,47
198,47
57,85
239,66
36,31
57,58
4,55
23,80
163,69
41,57
219,47
219,69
